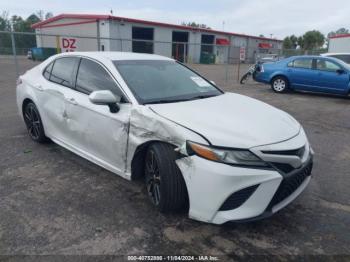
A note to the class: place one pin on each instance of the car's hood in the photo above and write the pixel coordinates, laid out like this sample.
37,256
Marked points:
232,120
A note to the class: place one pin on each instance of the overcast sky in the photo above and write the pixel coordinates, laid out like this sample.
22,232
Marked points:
277,17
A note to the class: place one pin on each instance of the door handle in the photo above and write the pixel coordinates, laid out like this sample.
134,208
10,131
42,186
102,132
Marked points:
71,101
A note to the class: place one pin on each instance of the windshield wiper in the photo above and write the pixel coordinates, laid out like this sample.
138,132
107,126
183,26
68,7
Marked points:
201,97
164,101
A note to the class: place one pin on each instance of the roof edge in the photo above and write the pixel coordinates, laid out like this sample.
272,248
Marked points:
133,20
339,36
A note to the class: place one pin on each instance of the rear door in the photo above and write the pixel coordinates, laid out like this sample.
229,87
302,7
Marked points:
93,129
331,77
302,74
59,81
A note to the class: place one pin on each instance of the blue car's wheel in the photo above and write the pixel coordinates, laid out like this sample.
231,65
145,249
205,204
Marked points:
279,84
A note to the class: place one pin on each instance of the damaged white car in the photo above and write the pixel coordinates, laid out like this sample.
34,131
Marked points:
223,156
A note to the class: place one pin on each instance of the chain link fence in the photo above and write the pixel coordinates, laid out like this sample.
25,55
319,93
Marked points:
222,63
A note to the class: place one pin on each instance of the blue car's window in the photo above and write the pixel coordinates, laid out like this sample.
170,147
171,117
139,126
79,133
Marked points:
303,63
325,65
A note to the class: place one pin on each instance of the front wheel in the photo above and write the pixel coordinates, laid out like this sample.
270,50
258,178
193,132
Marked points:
165,185
279,84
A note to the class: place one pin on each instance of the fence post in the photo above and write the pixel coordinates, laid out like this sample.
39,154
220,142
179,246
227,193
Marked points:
14,53
227,63
238,69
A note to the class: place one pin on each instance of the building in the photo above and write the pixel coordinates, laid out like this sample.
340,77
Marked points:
339,44
81,32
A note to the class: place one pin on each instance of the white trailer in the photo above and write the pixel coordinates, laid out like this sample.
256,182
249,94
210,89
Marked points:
339,44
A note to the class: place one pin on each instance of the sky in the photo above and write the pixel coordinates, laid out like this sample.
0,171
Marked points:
278,18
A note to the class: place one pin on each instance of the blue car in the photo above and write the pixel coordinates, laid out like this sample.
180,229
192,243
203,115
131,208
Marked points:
306,73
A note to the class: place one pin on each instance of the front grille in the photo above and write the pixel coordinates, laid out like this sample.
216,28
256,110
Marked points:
295,152
238,198
286,168
290,183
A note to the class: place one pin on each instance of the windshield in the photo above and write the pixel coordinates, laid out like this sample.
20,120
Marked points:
160,81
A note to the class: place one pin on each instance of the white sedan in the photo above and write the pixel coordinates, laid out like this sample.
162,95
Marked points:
221,156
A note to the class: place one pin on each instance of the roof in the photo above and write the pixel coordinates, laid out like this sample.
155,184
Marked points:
94,17
339,36
118,55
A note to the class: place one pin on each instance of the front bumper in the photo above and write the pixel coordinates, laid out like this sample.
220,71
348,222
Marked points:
260,192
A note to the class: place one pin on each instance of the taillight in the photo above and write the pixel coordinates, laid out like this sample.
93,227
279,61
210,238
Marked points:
19,81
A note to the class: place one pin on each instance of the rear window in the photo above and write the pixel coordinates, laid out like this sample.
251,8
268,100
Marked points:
47,71
303,63
63,71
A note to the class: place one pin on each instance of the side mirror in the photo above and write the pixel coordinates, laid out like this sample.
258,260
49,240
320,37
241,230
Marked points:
105,97
340,71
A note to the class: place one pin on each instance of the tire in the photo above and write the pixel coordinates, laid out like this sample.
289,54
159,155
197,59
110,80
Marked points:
165,185
244,78
33,123
279,84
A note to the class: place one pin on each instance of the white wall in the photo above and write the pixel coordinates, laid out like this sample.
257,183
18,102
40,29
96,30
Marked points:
71,43
117,30
339,45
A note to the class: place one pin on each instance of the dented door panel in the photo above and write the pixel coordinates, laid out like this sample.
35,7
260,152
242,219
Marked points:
98,132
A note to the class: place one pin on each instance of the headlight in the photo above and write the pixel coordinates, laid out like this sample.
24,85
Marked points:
227,156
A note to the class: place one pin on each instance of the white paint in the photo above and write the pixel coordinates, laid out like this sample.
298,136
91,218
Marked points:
111,139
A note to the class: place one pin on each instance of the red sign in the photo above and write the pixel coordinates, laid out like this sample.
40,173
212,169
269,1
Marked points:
222,41
265,45
69,44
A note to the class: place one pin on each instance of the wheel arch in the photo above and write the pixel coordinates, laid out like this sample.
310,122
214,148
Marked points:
25,102
137,162
279,74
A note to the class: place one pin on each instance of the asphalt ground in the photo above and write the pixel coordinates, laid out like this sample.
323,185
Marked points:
53,202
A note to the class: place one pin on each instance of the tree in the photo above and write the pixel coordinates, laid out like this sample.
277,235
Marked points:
290,42
33,18
195,25
340,31
48,15
294,41
312,40
300,41
287,43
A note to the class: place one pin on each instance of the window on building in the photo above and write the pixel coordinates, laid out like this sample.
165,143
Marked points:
139,34
179,47
63,71
207,44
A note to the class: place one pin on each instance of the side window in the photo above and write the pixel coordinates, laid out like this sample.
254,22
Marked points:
92,77
303,63
63,71
47,71
326,65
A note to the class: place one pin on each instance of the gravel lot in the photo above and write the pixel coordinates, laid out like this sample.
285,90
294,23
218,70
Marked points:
54,202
